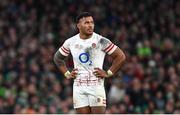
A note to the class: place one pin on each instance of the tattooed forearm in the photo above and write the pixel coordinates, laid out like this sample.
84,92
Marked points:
59,59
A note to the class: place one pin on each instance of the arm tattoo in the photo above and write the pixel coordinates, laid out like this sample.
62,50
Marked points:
59,59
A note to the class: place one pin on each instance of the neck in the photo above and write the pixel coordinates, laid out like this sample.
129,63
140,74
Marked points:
85,36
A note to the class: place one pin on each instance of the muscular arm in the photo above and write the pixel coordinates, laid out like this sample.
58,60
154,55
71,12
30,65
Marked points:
118,60
59,60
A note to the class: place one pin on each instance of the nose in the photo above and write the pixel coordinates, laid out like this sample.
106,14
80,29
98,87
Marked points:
91,25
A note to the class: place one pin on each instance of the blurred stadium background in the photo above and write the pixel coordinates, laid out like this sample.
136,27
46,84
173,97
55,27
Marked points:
148,32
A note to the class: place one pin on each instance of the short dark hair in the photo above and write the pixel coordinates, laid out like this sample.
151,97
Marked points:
82,15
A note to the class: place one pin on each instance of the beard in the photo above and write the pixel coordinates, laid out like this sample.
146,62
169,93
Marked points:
86,31
89,32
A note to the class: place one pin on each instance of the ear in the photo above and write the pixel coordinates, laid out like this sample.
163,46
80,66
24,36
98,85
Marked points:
78,25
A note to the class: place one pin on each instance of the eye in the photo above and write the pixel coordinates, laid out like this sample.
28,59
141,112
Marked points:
92,22
89,22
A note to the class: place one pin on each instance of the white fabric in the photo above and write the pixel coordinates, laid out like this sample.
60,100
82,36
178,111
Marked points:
89,96
88,90
87,54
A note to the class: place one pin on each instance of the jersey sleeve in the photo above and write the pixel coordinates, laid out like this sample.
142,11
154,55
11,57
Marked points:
65,49
107,46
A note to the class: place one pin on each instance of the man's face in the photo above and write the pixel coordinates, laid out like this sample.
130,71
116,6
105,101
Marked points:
86,25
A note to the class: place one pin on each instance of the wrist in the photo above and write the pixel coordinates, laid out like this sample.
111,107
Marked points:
67,74
109,73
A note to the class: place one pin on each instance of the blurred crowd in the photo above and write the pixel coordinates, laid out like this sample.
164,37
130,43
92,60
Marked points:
31,31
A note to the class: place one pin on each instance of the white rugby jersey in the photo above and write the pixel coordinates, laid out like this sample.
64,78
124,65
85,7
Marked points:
87,55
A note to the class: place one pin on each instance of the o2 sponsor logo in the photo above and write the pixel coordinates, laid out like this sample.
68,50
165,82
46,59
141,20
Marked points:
84,58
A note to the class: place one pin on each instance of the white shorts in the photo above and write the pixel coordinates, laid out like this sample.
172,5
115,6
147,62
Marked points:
89,96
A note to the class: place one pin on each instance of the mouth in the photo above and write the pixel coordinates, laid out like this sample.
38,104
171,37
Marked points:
90,30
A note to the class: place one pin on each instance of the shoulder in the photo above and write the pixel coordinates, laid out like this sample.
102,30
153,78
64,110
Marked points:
72,39
102,39
97,36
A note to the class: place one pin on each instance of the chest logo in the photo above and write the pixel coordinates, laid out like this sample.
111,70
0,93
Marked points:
84,58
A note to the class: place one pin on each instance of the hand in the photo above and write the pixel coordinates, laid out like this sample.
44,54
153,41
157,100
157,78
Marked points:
100,73
73,73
